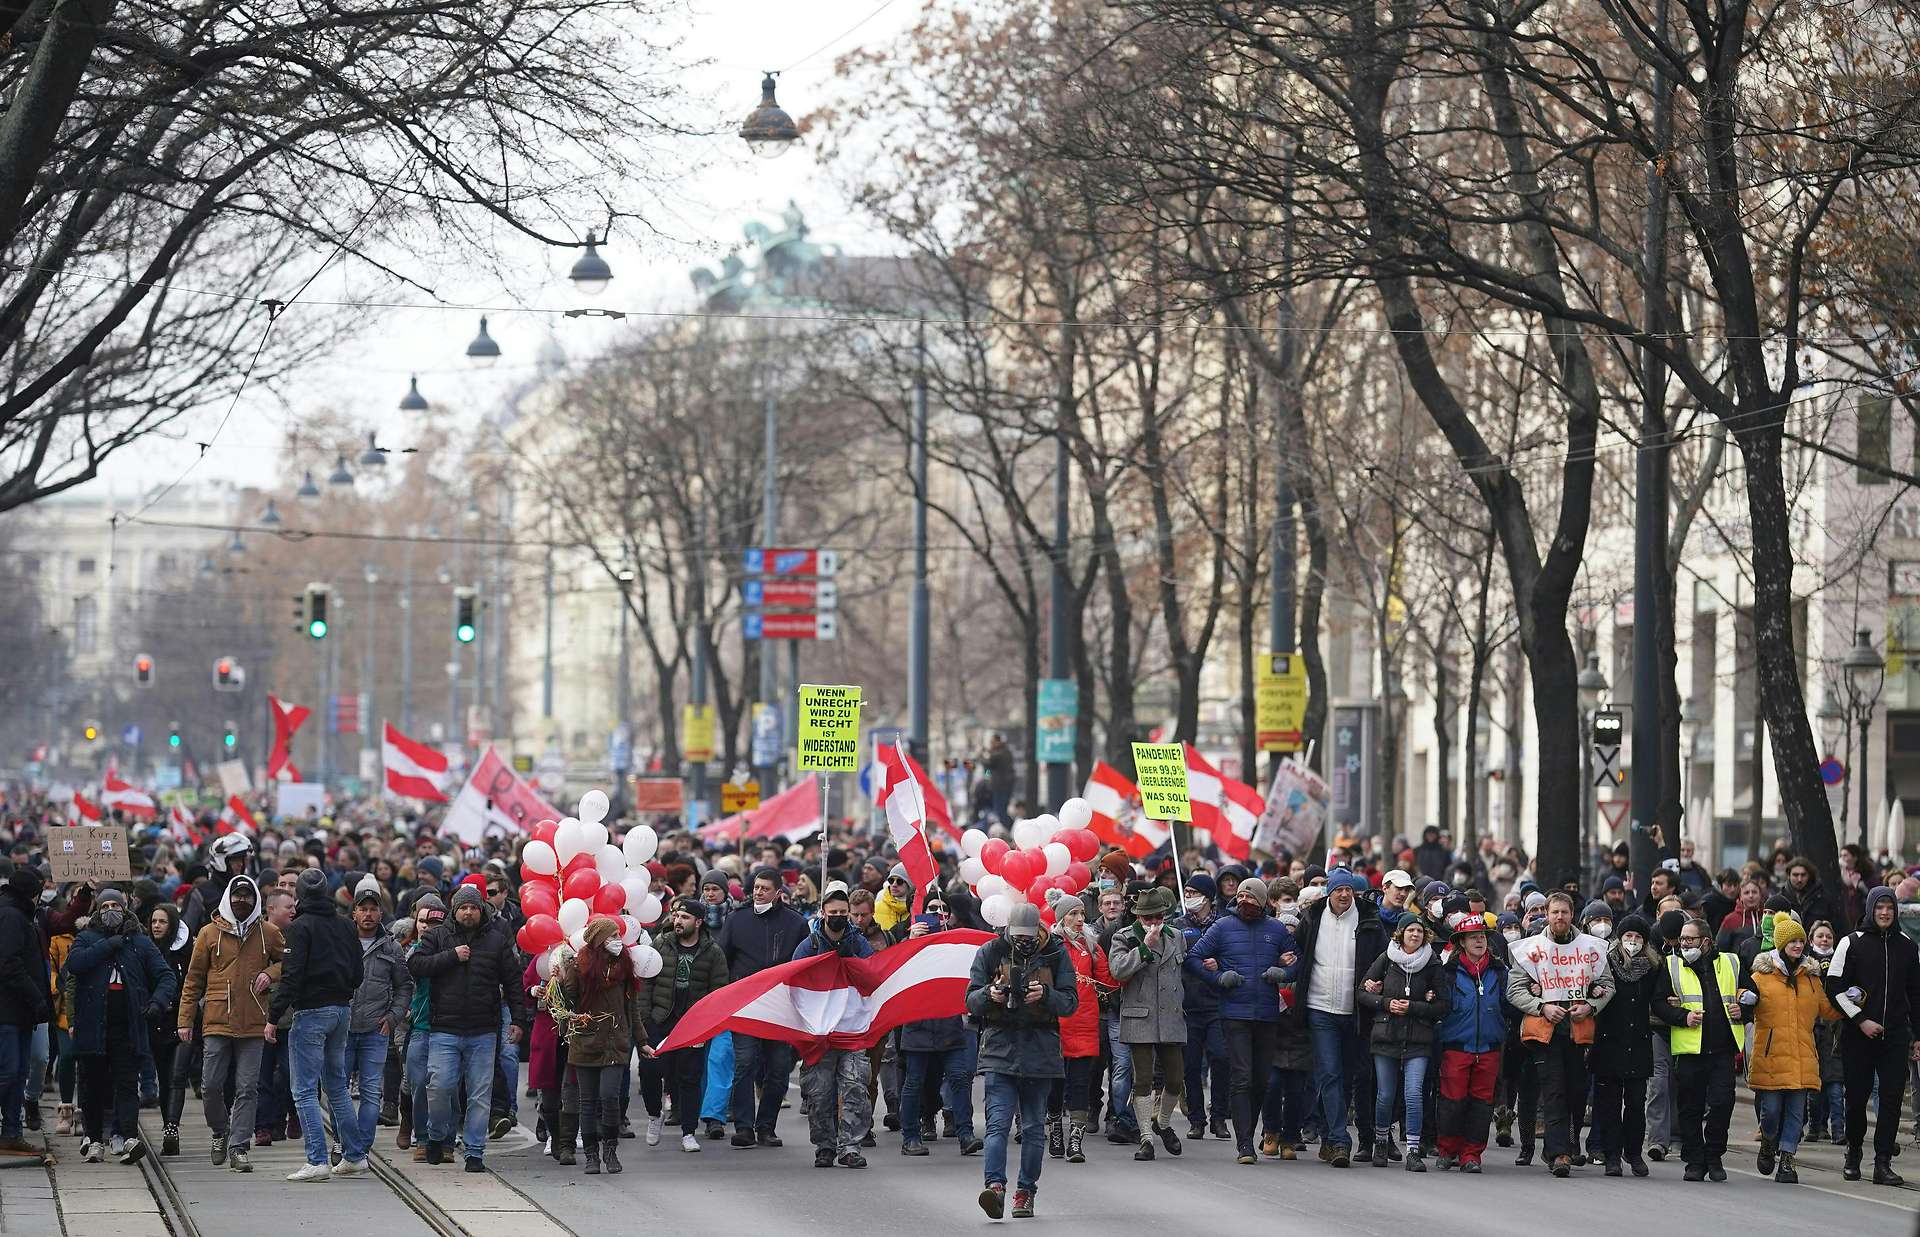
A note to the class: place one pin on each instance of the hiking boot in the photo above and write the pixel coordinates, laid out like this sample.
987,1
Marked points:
1287,1152
1196,1131
1379,1156
1056,1139
823,1157
1716,1171
1076,1143
744,1138
852,1159
1145,1151
389,1114
1783,1171
591,1157
564,1140
915,1147
1637,1165
170,1140
972,1145
1218,1128
1470,1166
1562,1166
1883,1173
1613,1168
239,1162
993,1201
715,1131
767,1138
1341,1158
1023,1202
1326,1152
218,1153
1763,1163
1168,1139
1415,1163
1270,1145
1850,1169
436,1153
610,1154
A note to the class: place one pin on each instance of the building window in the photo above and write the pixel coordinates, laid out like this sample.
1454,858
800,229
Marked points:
85,566
86,623
1873,438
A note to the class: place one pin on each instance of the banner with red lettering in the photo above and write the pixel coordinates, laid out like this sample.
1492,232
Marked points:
495,800
1564,972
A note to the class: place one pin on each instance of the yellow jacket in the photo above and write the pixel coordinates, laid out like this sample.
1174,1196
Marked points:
1784,1055
889,910
57,956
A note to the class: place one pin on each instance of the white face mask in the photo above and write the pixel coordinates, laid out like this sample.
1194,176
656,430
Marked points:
615,945
761,908
1193,905
1512,934
1600,928
1630,948
1690,955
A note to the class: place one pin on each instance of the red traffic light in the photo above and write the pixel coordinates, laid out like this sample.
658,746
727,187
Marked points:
224,667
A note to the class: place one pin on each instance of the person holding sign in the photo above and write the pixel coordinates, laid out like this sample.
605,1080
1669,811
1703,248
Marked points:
120,982
1559,982
1697,994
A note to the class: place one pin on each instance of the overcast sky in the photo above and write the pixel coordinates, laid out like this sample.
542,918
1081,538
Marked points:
726,188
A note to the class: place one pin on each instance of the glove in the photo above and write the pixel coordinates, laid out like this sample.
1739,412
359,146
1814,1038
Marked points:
1274,975
155,1011
1231,980
1749,997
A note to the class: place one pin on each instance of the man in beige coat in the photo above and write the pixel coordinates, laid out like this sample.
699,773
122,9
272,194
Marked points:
236,958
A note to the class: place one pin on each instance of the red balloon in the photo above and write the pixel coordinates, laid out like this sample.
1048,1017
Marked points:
544,830
1080,843
575,864
611,900
528,876
992,853
1078,876
1037,894
581,883
541,932
1016,870
539,898
1046,915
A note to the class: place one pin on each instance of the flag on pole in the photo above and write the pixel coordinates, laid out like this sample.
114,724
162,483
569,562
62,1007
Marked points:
286,720
235,817
873,780
123,798
830,1001
182,827
413,769
494,800
901,798
1117,819
1227,809
82,808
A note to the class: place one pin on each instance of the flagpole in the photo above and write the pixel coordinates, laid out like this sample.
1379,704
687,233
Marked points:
826,794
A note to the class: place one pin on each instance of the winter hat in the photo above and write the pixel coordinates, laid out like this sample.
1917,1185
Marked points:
1410,921
368,890
1505,920
431,901
1596,910
1235,870
1158,901
1346,878
1202,884
1635,922
467,895
1434,893
1612,883
1314,873
113,897
1254,888
1116,864
1533,901
311,882
714,878
1670,925
431,867
1312,894
1778,902
1786,929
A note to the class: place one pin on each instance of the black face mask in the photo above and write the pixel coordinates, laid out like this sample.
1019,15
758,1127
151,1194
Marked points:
836,923
1249,912
1024,946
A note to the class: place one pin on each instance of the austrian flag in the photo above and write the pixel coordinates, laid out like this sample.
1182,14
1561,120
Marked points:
413,769
906,810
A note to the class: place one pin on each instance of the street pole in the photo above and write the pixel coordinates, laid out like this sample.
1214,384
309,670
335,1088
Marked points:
326,708
1059,786
769,532
1866,724
546,670
620,726
366,671
1281,619
1651,468
1586,789
406,640
698,598
920,613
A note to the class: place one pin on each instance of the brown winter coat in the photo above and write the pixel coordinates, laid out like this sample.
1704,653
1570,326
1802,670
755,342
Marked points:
1785,1057
614,1018
222,971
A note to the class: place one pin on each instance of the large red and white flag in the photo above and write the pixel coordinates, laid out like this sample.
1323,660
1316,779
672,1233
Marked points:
81,808
829,1001
938,811
235,817
126,800
1117,818
413,769
1227,809
495,800
286,720
906,808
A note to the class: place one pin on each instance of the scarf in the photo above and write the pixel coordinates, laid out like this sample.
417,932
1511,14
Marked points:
1473,968
1630,969
236,928
1411,963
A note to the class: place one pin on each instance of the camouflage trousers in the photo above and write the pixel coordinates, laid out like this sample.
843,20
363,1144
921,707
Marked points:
839,1107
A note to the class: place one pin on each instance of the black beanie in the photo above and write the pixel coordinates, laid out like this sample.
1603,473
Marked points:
1671,923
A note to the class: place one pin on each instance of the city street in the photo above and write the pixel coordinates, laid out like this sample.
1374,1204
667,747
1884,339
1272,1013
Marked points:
665,1190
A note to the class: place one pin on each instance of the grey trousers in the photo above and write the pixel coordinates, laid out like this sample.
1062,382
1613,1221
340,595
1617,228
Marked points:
1660,1094
839,1108
243,1057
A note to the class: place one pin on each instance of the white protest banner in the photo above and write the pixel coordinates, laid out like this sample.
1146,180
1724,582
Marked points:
1564,972
1296,811
296,799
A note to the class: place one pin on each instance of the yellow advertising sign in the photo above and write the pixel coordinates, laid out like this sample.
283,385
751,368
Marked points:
829,739
696,732
1280,702
1160,771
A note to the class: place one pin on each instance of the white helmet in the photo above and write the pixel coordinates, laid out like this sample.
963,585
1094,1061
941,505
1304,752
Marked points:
228,853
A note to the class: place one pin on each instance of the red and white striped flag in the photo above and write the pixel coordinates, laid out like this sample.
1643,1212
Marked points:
413,769
182,827
123,798
1117,819
82,808
287,719
1228,809
906,808
235,817
829,1001
938,812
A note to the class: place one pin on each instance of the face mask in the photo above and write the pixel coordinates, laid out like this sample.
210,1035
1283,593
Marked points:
761,908
1630,948
1600,928
110,921
1193,905
1248,911
1690,955
1291,918
1024,946
1512,934
614,946
836,923
1823,951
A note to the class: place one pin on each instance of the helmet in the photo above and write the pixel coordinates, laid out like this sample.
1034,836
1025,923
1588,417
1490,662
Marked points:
228,853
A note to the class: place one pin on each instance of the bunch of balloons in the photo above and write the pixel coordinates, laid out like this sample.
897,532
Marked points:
572,873
1048,852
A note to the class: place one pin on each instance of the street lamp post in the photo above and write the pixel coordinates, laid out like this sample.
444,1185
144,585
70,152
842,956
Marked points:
920,615
366,669
1866,673
1691,718
697,598
622,751
1592,687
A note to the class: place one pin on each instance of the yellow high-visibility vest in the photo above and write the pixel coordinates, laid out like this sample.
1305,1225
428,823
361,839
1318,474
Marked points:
1685,1041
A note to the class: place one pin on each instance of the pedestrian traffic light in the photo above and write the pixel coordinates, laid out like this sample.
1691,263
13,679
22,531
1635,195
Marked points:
223,677
228,737
465,624
173,734
143,670
90,732
317,611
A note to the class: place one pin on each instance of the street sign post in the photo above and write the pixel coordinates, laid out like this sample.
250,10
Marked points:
785,626
1280,702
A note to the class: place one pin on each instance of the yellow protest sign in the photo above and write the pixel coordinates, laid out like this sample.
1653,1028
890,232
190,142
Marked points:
1160,771
736,797
696,730
1280,702
829,738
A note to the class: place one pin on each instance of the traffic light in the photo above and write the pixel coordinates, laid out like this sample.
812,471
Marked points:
173,734
143,670
317,611
465,623
228,737
90,732
223,676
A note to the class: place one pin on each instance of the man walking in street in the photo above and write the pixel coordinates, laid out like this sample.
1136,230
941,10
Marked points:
1339,941
691,966
839,1106
1559,982
236,958
1874,979
379,1008
1698,996
762,934
472,964
1146,962
321,973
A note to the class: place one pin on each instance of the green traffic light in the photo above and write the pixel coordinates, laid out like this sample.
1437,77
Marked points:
317,629
464,633
173,740
228,739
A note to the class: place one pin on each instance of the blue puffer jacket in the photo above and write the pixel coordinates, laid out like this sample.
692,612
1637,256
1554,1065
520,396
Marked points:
1247,949
1476,1020
1202,998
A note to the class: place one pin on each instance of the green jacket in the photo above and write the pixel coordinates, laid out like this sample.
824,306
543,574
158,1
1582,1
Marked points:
685,976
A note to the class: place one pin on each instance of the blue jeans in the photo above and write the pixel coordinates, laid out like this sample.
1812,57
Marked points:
1390,1077
761,1068
506,1078
1336,1055
1285,1109
716,1102
1120,1096
16,1047
317,1058
1005,1092
1827,1111
366,1060
414,1076
453,1059
1783,1115
917,1069
37,1062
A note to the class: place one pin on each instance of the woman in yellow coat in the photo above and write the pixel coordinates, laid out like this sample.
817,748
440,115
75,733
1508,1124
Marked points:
1787,998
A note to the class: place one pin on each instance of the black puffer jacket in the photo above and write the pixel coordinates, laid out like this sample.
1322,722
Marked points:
1885,967
1622,1043
1428,990
465,997
25,995
323,964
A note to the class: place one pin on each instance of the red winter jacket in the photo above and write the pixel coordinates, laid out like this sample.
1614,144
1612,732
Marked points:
1080,1030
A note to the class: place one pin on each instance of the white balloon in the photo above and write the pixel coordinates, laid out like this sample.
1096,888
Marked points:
540,857
1076,813
568,840
593,835
1058,857
647,962
593,807
543,965
635,884
1046,825
996,909
573,915
1025,835
579,941
611,863
971,841
990,885
629,929
971,870
640,844
649,911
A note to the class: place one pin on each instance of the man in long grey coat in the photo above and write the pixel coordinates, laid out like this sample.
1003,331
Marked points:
1146,958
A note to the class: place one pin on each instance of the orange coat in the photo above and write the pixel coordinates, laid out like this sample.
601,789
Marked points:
1080,1030
1784,1055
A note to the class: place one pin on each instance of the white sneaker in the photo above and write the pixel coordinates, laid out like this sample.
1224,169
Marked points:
689,1143
654,1126
349,1168
116,1144
91,1152
310,1172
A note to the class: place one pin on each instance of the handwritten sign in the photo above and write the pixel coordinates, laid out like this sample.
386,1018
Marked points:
829,738
1160,771
1564,972
89,852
